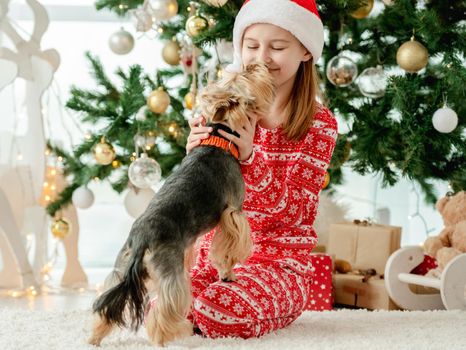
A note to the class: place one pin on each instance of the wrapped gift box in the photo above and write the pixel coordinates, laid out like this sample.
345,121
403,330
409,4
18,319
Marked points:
364,247
321,297
351,290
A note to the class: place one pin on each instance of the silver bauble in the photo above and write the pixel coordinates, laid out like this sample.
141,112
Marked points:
144,172
121,42
372,82
341,71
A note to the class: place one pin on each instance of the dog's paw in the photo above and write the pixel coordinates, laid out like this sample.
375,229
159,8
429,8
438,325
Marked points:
94,341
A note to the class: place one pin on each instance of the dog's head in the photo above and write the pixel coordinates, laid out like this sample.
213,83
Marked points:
231,98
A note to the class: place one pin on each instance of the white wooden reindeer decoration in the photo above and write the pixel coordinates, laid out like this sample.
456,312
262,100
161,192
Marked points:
21,184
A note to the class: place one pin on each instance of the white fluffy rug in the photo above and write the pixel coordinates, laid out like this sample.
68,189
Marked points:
342,329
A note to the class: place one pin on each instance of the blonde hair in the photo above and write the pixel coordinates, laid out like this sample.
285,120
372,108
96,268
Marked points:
302,104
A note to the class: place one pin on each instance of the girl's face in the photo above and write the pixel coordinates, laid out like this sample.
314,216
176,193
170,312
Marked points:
277,47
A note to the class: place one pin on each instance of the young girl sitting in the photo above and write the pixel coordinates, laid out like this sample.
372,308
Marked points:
284,156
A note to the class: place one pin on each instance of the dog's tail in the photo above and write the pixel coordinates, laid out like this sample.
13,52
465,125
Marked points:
125,301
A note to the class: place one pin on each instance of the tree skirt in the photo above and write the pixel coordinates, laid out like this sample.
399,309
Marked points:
341,329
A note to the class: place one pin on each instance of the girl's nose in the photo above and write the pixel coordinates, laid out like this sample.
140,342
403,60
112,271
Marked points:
265,56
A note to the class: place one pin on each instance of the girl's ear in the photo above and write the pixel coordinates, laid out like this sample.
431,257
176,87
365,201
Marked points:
307,56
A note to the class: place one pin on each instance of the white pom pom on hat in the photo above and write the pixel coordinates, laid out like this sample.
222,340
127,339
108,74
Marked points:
299,17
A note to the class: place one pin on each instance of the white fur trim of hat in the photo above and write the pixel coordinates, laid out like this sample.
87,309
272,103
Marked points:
299,17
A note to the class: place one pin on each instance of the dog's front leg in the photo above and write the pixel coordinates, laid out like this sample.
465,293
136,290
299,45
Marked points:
231,244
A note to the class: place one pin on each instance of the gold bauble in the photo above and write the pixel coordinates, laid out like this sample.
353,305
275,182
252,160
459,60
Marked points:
189,101
326,180
158,101
363,11
60,228
104,153
171,53
195,25
412,56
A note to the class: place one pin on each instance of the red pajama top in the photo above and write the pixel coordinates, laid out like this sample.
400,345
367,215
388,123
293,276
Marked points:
283,180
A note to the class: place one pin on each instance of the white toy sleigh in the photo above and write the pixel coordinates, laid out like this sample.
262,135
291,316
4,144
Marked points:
451,285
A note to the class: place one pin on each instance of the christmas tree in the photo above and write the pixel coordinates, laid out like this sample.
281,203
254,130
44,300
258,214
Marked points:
404,111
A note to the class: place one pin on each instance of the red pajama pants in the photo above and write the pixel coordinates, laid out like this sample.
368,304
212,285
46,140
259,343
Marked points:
266,296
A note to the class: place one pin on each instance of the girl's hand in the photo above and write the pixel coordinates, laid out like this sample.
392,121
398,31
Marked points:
198,132
245,141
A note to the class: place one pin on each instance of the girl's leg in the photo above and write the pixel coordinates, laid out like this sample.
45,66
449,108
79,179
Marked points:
264,298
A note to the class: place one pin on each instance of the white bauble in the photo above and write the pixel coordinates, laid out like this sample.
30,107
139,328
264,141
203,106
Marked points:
144,172
137,202
82,197
121,42
445,120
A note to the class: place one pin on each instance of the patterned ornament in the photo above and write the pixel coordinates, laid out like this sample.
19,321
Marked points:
196,25
103,152
171,53
412,56
144,172
121,42
60,228
372,82
163,10
445,120
82,197
326,180
363,11
158,101
142,19
216,3
341,71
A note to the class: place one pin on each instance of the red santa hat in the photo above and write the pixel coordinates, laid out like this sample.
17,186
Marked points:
299,17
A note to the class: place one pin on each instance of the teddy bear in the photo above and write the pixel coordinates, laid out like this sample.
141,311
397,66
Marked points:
452,240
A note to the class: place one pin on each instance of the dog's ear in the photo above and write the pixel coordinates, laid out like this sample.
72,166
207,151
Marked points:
223,106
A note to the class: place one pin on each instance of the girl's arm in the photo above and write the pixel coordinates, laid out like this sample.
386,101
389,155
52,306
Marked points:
300,186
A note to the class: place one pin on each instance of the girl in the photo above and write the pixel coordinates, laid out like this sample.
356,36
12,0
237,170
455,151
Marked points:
284,156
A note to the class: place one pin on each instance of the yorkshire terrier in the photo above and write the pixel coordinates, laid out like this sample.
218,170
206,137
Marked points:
206,191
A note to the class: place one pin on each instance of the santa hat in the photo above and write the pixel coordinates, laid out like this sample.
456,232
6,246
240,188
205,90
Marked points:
299,17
